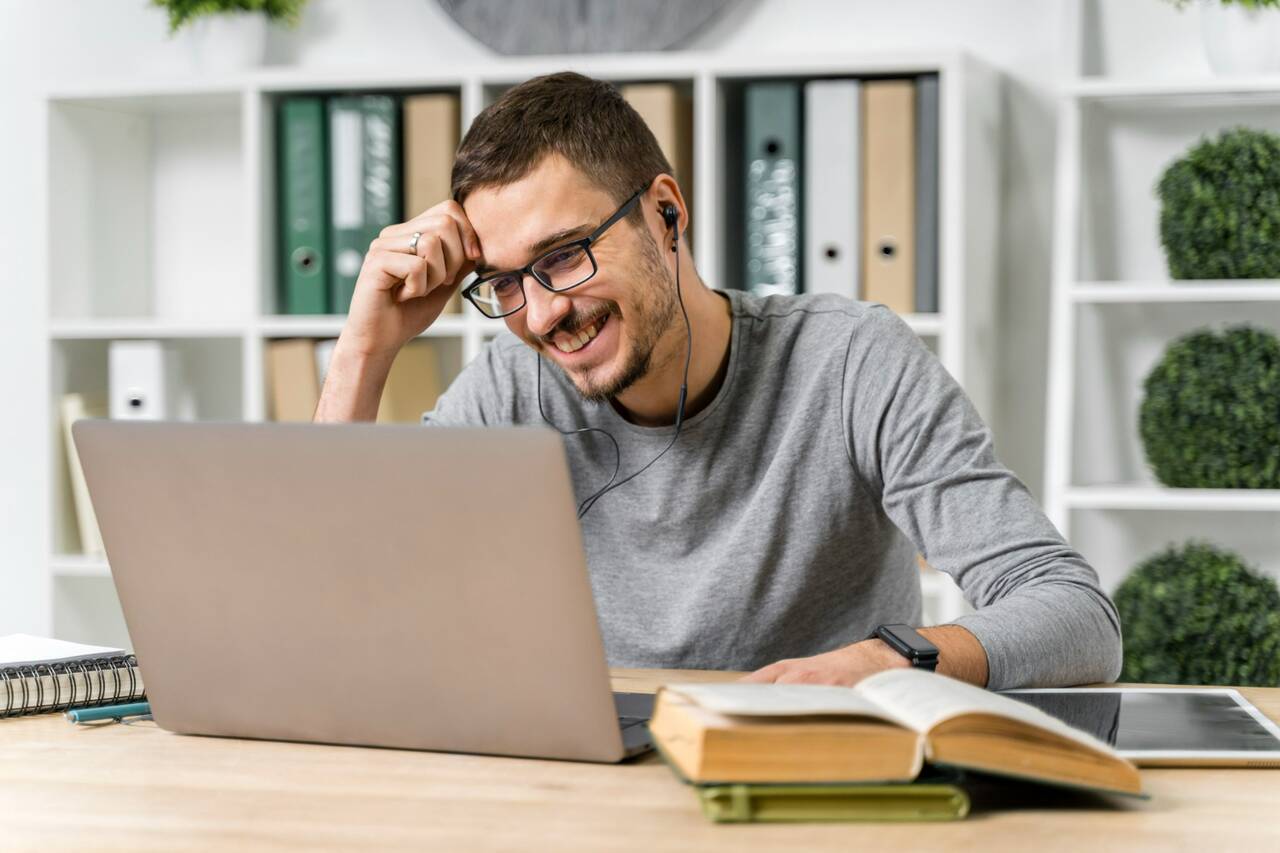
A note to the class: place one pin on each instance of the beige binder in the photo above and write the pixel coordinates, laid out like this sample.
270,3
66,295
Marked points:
291,380
669,113
413,385
431,128
889,182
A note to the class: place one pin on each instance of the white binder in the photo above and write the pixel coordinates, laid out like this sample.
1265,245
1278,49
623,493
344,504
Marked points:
145,382
831,191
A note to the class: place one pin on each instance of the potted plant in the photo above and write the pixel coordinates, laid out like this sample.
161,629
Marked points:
1240,36
229,35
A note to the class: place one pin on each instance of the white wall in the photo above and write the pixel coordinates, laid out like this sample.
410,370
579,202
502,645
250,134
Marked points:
81,39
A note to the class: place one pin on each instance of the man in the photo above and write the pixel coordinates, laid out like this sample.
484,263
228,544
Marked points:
817,431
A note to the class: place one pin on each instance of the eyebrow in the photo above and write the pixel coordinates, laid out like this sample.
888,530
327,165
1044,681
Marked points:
564,235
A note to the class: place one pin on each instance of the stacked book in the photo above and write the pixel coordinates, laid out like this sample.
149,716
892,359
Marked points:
896,747
840,189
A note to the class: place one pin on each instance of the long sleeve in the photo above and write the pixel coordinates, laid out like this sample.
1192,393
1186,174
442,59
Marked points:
1041,615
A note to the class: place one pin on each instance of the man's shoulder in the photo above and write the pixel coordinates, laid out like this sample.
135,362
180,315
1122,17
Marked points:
827,317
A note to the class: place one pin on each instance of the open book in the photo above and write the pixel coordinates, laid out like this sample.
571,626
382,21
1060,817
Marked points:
882,730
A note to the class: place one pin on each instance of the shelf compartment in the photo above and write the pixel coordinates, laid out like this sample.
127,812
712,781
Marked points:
147,208
1125,146
1117,345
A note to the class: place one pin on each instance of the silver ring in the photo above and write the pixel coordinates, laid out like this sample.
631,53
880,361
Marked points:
413,242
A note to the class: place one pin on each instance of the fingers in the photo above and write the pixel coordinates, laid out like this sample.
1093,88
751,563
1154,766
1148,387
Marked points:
428,220
389,269
440,240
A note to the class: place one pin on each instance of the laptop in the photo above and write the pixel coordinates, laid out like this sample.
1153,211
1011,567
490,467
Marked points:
357,584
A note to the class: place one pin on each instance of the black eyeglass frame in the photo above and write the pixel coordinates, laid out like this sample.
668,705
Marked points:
528,269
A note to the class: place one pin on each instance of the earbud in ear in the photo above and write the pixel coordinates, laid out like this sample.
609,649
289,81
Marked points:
670,215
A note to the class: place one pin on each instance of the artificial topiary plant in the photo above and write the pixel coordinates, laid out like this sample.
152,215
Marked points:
1220,208
1199,615
1211,415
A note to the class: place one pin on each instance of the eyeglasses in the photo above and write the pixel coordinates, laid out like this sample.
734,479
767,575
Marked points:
563,268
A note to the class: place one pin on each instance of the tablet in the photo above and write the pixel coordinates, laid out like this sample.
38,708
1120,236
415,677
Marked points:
1167,726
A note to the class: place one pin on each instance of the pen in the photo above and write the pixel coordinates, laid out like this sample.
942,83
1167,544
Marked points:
108,712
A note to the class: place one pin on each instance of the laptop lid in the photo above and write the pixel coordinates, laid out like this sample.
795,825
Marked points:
355,584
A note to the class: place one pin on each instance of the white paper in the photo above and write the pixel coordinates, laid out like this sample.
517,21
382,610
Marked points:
24,649
783,700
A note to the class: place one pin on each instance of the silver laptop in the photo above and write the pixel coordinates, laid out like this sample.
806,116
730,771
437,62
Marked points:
358,584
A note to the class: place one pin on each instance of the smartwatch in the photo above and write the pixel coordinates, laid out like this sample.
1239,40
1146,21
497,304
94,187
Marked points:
907,642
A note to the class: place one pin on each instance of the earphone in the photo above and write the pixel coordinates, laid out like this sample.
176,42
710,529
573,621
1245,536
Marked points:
671,218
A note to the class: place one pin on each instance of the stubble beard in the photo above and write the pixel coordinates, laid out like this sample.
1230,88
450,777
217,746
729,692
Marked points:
654,310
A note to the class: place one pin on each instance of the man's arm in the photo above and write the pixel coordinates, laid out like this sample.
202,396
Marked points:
1042,618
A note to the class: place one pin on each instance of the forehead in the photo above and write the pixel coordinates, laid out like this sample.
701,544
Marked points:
510,219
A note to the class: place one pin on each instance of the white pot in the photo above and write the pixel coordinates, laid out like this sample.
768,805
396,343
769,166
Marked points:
229,41
1240,40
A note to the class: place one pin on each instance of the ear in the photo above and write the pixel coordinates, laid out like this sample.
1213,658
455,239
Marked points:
664,192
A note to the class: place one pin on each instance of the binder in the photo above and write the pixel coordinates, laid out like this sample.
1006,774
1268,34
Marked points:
303,221
77,407
927,194
667,109
431,128
889,160
365,194
771,207
413,385
831,192
291,380
145,383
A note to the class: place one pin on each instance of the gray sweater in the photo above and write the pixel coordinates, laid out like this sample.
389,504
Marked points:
785,520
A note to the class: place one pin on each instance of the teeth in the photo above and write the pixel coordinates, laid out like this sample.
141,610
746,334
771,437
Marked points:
580,340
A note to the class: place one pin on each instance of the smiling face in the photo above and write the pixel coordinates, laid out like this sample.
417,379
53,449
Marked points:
602,334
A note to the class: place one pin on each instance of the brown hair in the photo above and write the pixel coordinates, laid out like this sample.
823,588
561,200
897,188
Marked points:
586,121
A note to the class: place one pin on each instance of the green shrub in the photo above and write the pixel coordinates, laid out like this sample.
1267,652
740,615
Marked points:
1220,208
1199,615
183,12
1210,417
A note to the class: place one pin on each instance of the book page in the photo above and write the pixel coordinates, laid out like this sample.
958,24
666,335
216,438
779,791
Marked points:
784,700
24,649
926,699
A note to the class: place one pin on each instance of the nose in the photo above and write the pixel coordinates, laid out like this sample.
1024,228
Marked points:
543,308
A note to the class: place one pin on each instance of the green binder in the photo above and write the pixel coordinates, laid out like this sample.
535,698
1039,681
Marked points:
771,204
779,803
365,185
303,267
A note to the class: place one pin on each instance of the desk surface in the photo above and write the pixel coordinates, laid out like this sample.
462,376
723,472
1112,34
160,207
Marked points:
138,787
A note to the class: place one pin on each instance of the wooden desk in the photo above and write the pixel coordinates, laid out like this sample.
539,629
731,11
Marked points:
137,787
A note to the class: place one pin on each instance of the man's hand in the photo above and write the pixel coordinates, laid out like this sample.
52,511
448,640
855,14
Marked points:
960,656
845,666
401,290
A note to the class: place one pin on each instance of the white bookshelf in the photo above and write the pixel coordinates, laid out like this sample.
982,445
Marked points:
161,225
1114,310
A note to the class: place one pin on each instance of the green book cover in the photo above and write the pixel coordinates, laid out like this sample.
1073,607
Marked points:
365,189
303,254
915,801
771,203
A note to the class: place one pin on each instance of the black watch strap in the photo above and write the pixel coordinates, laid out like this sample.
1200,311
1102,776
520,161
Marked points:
908,642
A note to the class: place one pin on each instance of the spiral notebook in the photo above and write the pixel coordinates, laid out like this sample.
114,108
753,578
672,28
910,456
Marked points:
38,675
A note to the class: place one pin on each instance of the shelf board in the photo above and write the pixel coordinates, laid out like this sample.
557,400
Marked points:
141,327
1229,290
1193,89
79,566
1145,497
924,324
330,326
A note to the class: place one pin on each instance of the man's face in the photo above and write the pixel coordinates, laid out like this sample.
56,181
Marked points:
624,309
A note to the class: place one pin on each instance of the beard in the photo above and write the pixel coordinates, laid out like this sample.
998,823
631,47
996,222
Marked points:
654,309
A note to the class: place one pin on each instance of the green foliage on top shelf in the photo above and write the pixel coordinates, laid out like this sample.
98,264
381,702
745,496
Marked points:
1199,615
1220,208
1210,418
183,12
1248,4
